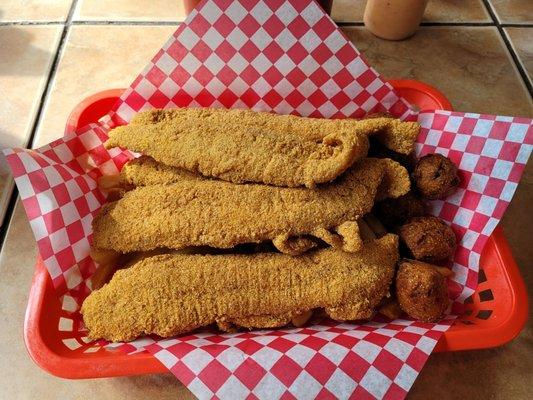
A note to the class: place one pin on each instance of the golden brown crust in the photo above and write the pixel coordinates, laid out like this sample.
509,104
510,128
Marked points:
421,290
145,171
221,214
346,236
262,321
293,246
351,238
247,146
428,238
173,294
395,181
244,146
397,136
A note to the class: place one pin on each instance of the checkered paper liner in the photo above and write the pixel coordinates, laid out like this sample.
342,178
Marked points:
285,57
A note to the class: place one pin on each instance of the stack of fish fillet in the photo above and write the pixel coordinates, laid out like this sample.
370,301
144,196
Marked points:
243,219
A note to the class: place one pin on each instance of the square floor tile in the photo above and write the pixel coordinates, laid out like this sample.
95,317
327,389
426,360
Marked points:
513,11
34,10
436,11
456,61
130,10
26,54
97,58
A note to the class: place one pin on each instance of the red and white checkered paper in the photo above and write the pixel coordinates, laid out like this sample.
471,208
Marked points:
285,57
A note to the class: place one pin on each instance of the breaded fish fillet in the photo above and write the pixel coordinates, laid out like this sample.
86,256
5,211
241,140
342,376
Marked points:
400,136
246,146
221,144
145,171
221,214
173,294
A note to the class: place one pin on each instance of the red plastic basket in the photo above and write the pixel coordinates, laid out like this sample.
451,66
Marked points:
494,315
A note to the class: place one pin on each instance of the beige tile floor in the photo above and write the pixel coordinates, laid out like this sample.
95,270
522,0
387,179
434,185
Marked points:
463,73
453,58
513,11
27,55
96,62
437,11
127,10
34,10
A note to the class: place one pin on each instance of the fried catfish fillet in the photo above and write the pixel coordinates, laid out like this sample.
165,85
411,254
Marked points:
221,214
145,171
242,146
247,146
173,294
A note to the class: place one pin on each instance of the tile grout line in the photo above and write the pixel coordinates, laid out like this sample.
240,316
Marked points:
89,22
36,122
516,60
25,23
456,24
52,73
521,70
131,23
517,25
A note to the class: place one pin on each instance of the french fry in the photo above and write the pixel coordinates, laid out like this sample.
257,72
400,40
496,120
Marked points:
446,272
115,194
375,224
102,275
366,233
104,256
109,182
301,319
390,308
107,261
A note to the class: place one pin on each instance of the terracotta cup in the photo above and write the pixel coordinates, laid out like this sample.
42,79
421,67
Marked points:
188,5
394,19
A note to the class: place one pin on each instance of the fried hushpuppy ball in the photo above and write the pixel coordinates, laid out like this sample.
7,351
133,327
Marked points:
435,176
428,238
394,212
421,290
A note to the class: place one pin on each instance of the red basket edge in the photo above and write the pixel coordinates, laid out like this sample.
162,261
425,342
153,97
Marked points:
512,325
79,367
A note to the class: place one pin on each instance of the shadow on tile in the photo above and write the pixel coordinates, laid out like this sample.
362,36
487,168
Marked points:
20,46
